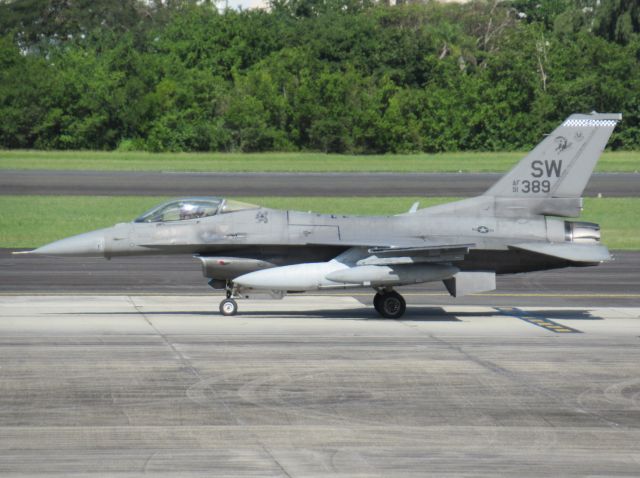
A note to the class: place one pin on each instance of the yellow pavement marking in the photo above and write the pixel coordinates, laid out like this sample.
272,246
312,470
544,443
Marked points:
542,322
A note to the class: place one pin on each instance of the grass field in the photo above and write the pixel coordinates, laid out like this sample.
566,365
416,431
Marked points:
31,221
285,162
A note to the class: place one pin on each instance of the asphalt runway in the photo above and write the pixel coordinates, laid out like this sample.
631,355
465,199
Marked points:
158,385
96,183
616,283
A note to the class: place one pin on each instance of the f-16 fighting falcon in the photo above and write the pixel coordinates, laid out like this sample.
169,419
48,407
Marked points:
249,251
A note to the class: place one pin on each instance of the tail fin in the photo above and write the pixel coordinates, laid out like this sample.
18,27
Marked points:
561,165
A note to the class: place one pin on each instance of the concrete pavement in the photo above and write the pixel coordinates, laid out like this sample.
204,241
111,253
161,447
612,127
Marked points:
315,386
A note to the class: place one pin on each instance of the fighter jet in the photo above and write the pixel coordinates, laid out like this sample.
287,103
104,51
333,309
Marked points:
518,225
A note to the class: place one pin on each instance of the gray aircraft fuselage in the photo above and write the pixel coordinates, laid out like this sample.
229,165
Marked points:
292,237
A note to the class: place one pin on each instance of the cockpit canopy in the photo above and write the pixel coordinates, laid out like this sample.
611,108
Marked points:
192,208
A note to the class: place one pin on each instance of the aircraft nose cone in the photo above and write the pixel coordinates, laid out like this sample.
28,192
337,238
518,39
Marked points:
87,244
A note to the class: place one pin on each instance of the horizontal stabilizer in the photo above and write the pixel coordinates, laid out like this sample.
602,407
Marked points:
586,253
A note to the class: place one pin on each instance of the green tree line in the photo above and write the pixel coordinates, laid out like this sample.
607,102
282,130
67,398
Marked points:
347,76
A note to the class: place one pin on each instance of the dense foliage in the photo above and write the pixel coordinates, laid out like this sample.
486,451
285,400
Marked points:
327,75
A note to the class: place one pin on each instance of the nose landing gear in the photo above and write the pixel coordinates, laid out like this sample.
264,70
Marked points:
229,306
389,304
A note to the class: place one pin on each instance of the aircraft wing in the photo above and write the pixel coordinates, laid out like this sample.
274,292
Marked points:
417,254
405,251
433,250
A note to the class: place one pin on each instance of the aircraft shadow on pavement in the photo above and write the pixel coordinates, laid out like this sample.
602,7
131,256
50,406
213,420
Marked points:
413,314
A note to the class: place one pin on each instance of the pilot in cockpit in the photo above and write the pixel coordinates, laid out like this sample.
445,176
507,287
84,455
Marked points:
192,208
191,211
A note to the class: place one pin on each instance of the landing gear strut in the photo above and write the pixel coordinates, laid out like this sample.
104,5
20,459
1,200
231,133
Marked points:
389,304
229,306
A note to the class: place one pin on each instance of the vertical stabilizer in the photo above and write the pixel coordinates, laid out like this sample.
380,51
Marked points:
561,165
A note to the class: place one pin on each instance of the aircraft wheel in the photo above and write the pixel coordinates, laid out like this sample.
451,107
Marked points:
228,307
391,305
376,302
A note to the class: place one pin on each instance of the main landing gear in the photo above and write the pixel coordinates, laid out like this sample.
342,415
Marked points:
389,304
229,306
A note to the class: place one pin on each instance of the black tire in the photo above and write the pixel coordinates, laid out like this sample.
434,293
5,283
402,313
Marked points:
376,302
392,305
228,307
